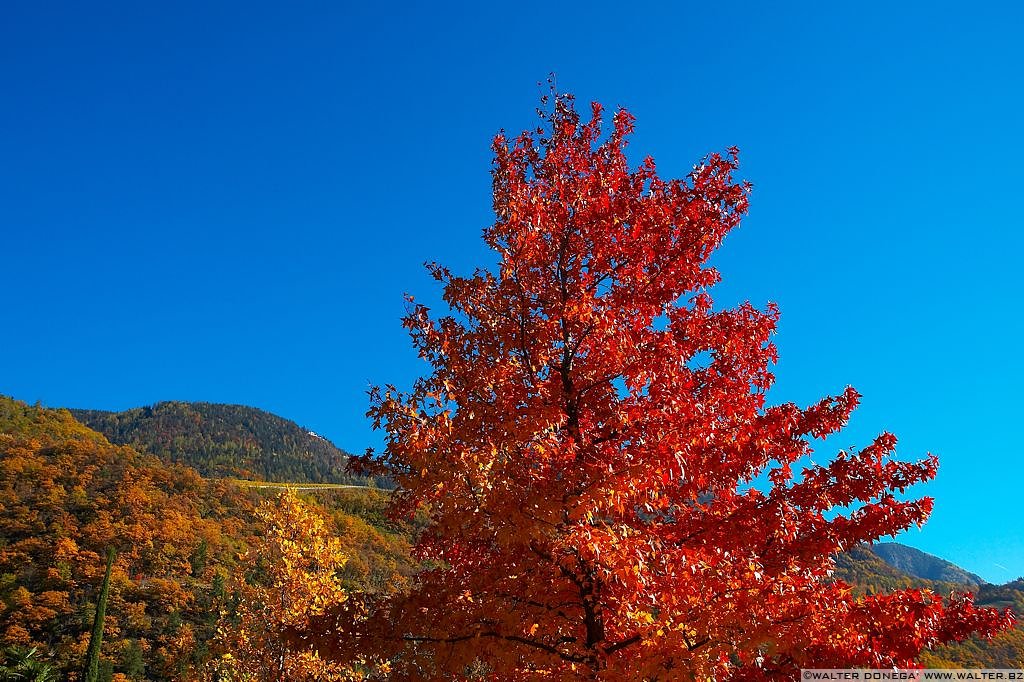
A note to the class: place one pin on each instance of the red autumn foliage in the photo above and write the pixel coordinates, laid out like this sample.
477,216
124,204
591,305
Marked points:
610,495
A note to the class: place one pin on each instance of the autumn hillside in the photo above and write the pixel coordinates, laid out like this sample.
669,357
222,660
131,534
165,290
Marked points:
218,440
67,495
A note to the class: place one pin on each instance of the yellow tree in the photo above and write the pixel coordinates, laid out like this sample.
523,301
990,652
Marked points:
292,576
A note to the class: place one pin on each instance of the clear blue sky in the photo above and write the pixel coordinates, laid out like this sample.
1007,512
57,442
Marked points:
225,201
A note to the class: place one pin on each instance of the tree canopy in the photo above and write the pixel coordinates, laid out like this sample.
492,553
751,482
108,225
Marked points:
610,494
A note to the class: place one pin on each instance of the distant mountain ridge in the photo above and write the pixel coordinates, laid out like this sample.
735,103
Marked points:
920,564
229,441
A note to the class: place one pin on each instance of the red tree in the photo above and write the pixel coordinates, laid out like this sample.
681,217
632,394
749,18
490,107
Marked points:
609,495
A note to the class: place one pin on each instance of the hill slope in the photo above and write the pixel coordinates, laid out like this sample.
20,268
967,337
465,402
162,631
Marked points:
67,495
225,441
869,574
923,565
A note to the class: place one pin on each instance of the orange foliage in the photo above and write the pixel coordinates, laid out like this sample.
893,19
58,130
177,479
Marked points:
66,494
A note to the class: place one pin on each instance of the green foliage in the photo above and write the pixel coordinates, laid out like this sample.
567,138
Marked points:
26,665
1005,650
133,663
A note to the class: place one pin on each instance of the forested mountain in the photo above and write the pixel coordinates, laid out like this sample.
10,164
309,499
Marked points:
230,441
923,565
67,495
869,574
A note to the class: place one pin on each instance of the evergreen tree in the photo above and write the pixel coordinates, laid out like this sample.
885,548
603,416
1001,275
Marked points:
92,656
